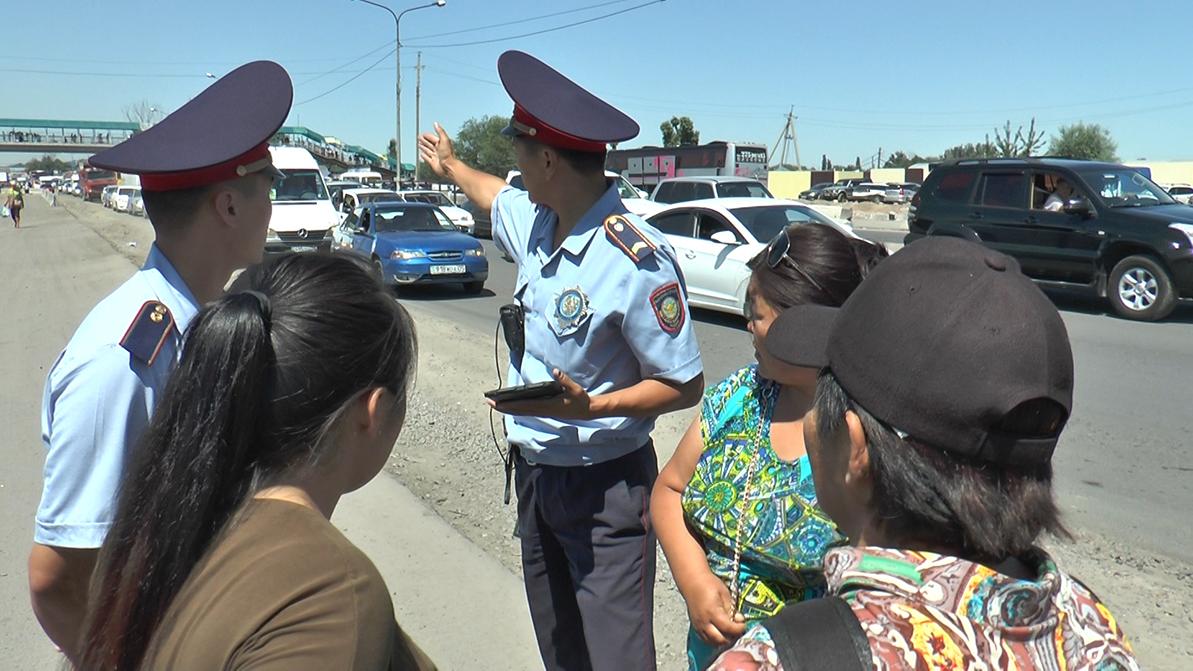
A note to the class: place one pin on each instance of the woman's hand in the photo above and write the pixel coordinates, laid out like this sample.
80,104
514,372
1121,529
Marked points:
710,609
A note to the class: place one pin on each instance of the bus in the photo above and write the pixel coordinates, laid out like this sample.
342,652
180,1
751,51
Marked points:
363,177
645,167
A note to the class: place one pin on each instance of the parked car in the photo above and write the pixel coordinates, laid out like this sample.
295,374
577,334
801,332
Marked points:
864,191
1181,193
814,192
137,207
633,198
461,218
681,189
416,243
335,190
482,219
123,197
1118,236
900,192
714,239
105,196
350,199
836,190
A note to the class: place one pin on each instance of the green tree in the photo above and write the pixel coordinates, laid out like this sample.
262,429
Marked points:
969,150
49,163
1091,142
901,159
480,144
678,131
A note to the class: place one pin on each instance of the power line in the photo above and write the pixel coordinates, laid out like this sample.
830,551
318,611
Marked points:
537,32
347,81
524,20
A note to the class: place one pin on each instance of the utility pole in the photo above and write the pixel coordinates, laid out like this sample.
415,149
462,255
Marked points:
418,95
788,137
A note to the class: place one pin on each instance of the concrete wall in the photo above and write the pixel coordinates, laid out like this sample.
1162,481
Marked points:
884,175
847,174
788,183
1167,172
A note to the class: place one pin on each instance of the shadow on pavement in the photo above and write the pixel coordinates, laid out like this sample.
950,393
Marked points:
718,318
1090,305
438,292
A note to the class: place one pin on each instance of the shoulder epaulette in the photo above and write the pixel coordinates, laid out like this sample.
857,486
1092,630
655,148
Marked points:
149,331
628,238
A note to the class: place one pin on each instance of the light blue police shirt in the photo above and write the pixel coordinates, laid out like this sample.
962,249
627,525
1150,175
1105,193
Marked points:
97,402
612,338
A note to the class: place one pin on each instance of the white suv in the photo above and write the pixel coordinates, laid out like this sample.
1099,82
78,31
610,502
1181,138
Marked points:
683,189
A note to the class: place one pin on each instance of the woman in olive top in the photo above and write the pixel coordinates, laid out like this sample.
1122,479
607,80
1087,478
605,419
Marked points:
291,392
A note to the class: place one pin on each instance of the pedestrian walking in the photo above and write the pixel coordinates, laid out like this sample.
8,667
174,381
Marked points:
606,317
206,176
15,202
221,554
946,381
735,509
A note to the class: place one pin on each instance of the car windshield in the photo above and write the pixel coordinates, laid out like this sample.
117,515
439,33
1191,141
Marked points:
743,190
378,198
432,198
100,174
1124,187
765,223
298,185
412,219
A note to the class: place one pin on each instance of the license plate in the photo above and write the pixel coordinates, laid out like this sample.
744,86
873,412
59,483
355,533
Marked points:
447,270
303,248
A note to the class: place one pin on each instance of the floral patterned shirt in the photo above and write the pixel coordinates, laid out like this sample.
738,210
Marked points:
927,611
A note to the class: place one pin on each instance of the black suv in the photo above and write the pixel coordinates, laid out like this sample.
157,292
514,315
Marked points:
1102,227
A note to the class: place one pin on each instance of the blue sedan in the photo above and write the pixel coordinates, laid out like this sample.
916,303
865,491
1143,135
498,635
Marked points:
416,243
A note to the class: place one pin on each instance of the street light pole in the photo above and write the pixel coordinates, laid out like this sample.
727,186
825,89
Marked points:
398,77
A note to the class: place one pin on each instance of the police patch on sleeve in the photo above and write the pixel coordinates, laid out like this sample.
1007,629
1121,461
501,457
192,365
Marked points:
668,305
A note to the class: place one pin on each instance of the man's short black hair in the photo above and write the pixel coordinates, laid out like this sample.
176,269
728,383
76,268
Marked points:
583,162
175,209
926,495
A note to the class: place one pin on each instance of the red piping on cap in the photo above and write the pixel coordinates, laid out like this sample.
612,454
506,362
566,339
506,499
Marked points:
553,136
175,181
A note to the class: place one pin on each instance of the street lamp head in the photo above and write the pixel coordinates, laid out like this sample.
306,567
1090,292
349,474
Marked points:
440,3
209,75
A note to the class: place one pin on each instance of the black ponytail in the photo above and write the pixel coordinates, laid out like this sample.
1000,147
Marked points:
234,415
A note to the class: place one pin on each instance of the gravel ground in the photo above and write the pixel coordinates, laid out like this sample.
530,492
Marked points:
446,456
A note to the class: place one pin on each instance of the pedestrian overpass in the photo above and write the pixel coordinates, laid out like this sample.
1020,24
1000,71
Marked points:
57,136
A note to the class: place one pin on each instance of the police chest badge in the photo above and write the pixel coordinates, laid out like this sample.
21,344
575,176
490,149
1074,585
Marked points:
571,311
667,303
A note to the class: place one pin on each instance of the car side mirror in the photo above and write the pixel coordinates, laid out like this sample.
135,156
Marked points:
725,238
1079,206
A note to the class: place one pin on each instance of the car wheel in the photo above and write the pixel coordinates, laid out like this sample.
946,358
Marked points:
474,287
876,199
1141,289
841,198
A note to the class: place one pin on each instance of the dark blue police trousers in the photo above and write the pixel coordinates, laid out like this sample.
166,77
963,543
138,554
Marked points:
588,560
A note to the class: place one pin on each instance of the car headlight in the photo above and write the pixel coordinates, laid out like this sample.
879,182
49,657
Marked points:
474,252
1187,229
407,254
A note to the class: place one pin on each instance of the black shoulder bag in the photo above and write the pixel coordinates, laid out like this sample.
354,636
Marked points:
819,634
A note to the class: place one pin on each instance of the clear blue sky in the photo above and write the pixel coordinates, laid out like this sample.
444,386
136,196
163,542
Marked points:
918,76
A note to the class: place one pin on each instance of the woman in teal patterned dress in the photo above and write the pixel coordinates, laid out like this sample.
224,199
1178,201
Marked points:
735,509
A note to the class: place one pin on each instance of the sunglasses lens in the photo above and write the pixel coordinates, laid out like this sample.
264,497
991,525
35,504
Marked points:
777,249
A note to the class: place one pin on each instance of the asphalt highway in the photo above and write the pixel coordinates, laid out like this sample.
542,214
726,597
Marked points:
1124,466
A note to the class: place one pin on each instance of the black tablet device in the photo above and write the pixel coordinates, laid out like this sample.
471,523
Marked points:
525,392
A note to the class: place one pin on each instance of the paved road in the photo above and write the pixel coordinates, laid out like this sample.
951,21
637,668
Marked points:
1124,467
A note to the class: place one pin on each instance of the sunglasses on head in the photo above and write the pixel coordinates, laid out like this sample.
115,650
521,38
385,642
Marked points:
776,253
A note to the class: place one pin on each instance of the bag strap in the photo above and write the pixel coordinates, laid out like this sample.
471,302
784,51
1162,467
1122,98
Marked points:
819,634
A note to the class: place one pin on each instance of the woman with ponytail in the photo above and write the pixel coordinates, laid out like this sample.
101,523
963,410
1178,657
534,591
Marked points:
735,508
291,392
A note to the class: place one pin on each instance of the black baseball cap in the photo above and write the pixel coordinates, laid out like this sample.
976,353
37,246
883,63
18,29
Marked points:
941,342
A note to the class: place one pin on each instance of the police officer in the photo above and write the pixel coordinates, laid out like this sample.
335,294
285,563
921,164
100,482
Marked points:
606,316
206,175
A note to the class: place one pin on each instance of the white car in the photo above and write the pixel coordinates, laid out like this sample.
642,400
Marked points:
715,238
122,199
1182,193
634,199
461,218
350,199
871,191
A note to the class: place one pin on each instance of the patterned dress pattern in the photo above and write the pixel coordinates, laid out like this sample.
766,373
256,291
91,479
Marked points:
923,611
784,534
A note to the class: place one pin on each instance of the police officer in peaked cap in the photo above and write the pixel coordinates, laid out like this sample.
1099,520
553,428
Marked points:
206,176
606,316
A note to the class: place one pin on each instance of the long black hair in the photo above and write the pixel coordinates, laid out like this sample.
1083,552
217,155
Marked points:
265,372
824,267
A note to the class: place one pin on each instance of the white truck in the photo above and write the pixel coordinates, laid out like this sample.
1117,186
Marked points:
303,216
